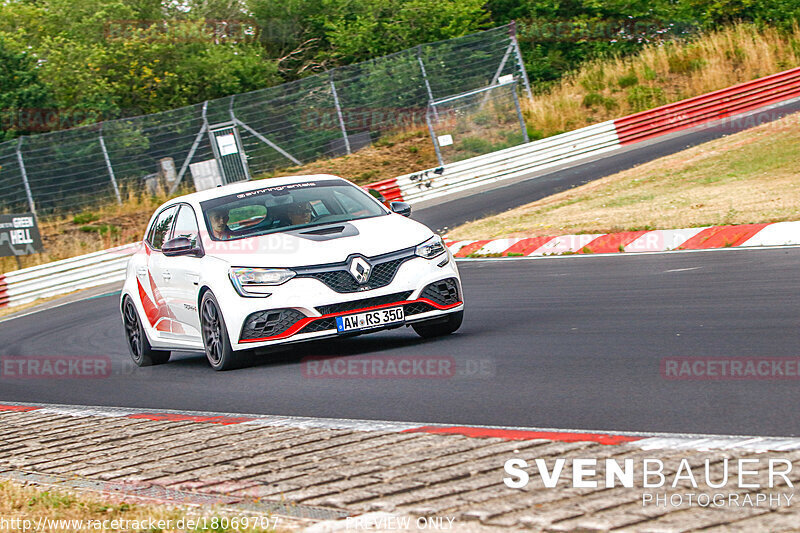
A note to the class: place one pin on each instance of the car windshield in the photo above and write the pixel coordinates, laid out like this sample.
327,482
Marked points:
286,208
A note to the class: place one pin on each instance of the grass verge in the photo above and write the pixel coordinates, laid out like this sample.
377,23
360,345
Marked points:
744,178
56,510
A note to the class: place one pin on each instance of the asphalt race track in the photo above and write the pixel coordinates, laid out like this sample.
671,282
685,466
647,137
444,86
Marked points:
573,342
502,198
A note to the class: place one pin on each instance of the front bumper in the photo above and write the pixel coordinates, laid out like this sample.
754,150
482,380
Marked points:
424,289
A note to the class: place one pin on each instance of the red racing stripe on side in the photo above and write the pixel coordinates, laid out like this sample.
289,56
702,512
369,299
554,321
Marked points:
722,236
175,417
18,408
470,248
612,242
519,434
528,246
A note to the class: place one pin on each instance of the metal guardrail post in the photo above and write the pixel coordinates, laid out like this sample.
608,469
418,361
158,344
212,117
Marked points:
25,177
425,79
433,135
520,117
193,149
108,165
513,33
339,113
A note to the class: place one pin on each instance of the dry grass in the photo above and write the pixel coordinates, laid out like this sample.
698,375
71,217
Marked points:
748,177
26,502
660,74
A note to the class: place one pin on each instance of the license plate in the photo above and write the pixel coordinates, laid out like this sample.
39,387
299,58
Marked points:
371,319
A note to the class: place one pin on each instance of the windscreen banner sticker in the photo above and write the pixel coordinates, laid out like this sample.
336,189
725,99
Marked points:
19,235
278,188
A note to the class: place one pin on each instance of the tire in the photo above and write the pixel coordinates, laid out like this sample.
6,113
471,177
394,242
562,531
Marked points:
219,352
139,347
439,327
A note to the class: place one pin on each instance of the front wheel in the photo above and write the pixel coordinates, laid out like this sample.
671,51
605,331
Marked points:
139,347
219,352
439,327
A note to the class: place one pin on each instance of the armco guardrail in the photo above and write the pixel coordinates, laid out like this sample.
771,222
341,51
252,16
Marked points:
712,106
578,144
60,277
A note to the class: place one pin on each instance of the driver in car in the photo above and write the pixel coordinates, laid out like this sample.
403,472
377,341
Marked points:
300,213
219,224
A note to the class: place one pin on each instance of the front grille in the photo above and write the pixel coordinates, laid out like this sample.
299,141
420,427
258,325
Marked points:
342,281
338,277
418,307
269,323
444,292
318,325
343,307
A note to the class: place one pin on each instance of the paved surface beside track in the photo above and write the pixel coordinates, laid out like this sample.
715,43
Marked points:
572,342
319,473
499,197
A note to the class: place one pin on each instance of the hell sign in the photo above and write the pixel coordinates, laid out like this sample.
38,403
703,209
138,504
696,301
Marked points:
19,235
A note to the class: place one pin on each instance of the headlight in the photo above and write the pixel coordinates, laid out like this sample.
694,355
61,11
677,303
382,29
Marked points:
256,281
431,248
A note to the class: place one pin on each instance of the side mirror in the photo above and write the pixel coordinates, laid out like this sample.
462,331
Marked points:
401,208
180,246
377,195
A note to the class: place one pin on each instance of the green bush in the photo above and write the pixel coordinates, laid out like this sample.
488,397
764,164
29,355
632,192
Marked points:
84,218
628,80
641,98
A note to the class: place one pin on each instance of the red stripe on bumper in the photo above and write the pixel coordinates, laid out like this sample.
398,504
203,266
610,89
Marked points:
519,434
722,236
300,324
174,417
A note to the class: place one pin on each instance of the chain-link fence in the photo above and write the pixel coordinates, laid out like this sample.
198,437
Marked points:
233,138
477,122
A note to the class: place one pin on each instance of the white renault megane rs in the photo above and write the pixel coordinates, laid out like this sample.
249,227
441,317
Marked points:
292,259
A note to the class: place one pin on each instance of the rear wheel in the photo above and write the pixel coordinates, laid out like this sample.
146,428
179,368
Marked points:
219,352
141,352
439,327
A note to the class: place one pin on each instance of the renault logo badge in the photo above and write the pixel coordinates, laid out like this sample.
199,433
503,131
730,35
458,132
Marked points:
360,269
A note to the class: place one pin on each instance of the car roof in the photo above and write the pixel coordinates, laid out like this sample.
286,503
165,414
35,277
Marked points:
244,186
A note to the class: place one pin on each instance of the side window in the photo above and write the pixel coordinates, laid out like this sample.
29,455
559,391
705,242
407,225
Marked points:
161,227
186,225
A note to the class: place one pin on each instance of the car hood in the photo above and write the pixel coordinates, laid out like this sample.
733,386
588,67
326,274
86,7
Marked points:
313,246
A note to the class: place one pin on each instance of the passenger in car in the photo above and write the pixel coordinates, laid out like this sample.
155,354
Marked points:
219,224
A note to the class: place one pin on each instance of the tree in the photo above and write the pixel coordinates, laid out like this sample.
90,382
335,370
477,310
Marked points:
24,98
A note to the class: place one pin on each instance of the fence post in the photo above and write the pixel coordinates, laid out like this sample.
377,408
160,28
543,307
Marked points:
433,134
425,79
512,27
192,150
25,177
108,165
519,115
339,113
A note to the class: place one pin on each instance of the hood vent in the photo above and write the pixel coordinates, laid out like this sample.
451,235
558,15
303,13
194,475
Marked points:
324,233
